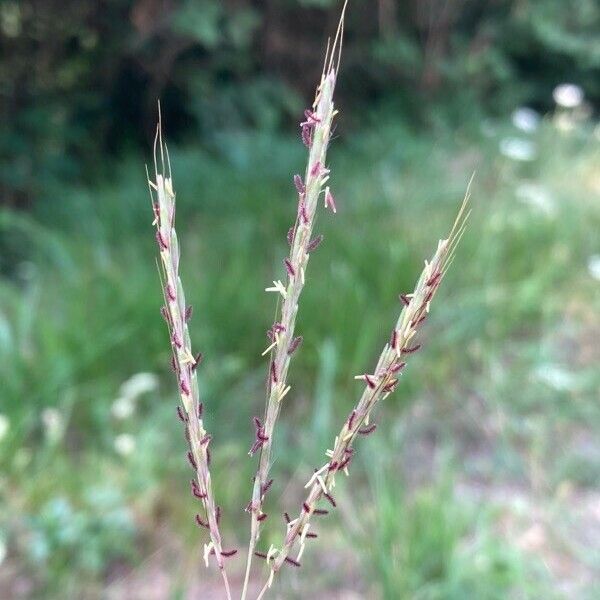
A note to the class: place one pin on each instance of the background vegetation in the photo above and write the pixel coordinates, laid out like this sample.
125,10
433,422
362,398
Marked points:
484,479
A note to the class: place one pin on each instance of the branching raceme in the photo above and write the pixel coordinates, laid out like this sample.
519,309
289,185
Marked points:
316,131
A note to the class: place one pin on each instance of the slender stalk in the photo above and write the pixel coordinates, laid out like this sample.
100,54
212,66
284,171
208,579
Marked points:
184,363
378,386
316,134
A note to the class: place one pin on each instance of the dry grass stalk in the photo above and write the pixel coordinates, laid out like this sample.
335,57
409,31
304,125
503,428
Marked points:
378,386
177,314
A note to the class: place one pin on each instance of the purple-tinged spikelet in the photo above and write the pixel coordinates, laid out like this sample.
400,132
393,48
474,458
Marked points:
201,522
289,267
394,339
295,344
206,440
370,381
185,388
176,340
189,310
273,371
200,409
411,350
260,555
261,518
351,420
300,187
181,414
286,518
306,507
320,511
164,311
314,243
330,201
266,487
397,367
434,279
170,293
302,212
162,243
192,461
197,360
404,299
292,562
290,236
417,322
316,169
367,430
218,514
331,499
228,553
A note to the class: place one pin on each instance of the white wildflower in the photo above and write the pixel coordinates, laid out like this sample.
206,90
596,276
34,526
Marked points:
536,196
594,266
123,407
124,444
138,384
53,423
518,149
556,377
568,95
526,119
4,426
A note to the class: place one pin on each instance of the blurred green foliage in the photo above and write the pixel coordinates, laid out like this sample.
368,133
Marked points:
80,80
